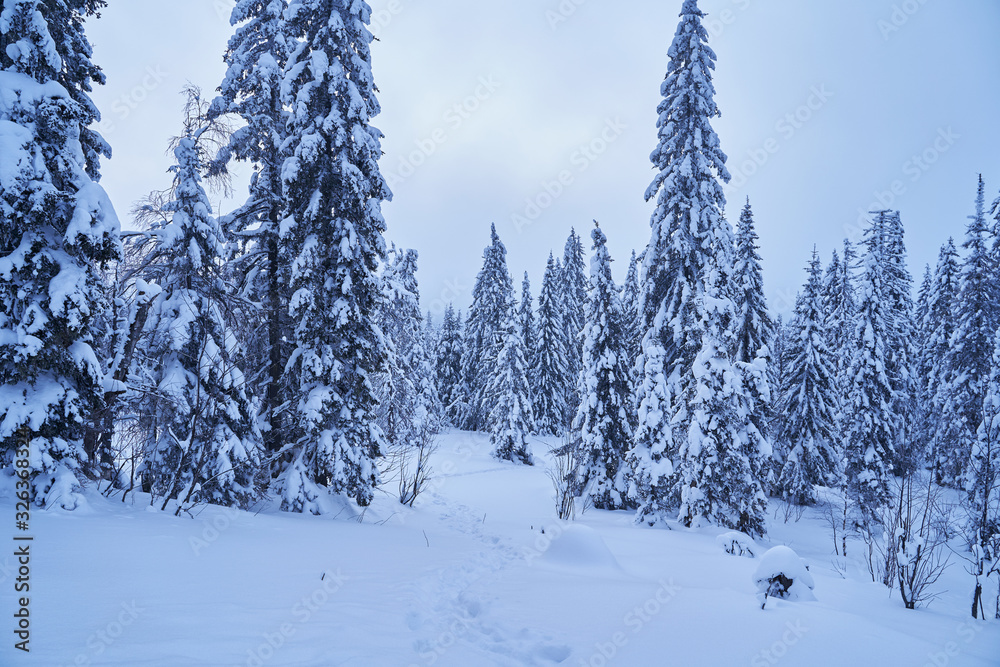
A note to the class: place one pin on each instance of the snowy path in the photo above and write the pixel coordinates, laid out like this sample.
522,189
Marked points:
466,578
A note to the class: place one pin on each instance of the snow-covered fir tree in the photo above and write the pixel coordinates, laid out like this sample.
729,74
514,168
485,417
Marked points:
492,306
206,444
511,420
681,320
967,359
526,322
982,481
448,365
332,191
409,408
868,419
633,321
937,329
550,371
808,437
251,90
840,307
573,281
779,372
57,229
603,418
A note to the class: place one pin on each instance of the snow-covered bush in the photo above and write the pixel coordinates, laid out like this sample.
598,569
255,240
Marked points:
782,574
737,544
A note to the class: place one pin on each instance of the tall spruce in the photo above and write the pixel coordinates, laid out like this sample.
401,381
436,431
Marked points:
676,315
448,365
967,360
492,306
868,420
251,90
605,390
526,321
840,306
550,368
574,303
207,446
332,190
808,435
57,230
633,322
511,419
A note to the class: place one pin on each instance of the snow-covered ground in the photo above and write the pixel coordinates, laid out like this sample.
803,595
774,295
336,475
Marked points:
478,573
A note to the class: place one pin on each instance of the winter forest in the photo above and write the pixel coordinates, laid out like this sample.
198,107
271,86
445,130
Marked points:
240,438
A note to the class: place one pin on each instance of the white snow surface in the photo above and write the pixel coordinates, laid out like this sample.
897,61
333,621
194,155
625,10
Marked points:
465,578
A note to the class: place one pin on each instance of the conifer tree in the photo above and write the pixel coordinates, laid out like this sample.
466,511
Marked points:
630,306
526,322
57,229
603,417
868,424
574,302
492,306
808,436
511,419
251,89
448,366
206,441
550,372
675,312
840,307
967,360
332,193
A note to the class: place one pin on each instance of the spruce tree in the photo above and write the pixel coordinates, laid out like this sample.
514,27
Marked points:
206,441
332,193
492,305
448,365
603,417
57,230
526,322
868,423
633,324
550,370
967,360
251,90
574,302
938,328
511,419
808,435
676,315
840,306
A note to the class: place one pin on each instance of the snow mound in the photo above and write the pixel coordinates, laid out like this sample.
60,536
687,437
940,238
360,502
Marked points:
579,547
782,574
737,544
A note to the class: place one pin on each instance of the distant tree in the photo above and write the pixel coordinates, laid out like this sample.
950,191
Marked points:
550,370
808,436
492,306
448,367
574,301
605,389
526,322
840,306
633,323
511,418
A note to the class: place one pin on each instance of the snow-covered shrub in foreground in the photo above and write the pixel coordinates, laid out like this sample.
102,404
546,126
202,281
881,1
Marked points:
737,544
782,574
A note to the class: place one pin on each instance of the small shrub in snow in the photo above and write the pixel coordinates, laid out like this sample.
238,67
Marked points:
782,574
737,544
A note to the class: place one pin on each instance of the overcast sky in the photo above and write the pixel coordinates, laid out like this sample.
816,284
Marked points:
540,115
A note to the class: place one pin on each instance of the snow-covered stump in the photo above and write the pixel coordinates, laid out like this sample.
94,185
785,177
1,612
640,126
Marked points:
782,574
736,543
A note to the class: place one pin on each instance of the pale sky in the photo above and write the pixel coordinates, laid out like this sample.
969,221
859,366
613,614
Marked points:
540,115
